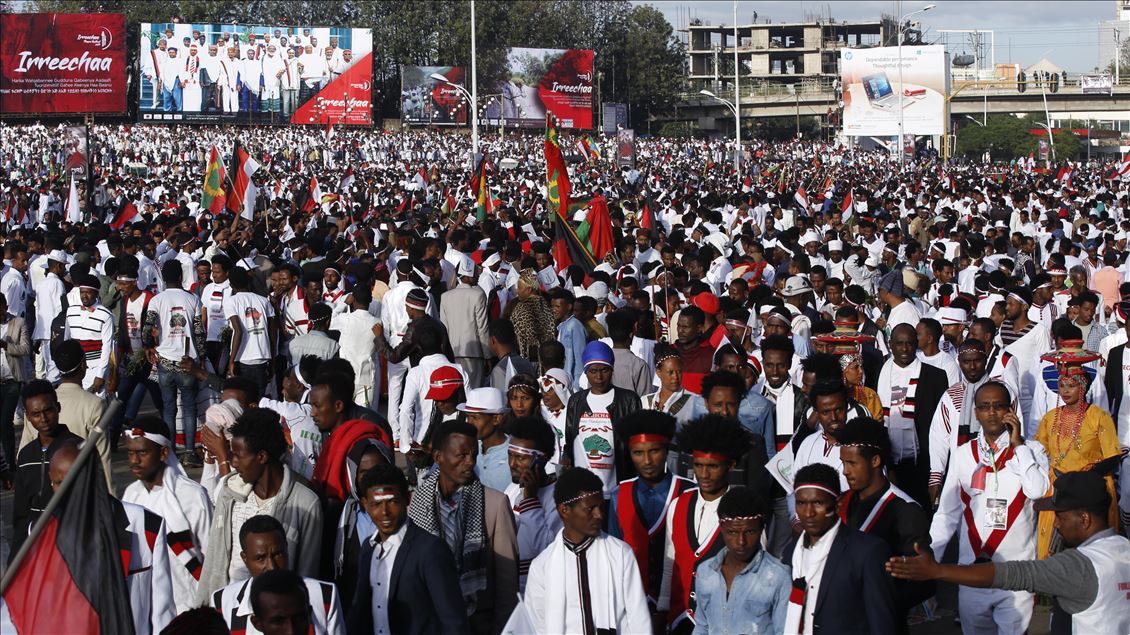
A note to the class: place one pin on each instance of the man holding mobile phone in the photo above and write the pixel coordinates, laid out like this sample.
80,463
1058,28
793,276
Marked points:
988,492
532,442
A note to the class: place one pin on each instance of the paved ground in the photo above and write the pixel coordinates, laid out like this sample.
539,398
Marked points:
943,624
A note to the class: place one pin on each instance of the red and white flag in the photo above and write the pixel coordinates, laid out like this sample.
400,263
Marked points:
243,193
314,198
848,206
73,211
801,198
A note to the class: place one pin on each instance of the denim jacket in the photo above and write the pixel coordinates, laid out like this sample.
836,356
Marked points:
755,413
757,601
571,334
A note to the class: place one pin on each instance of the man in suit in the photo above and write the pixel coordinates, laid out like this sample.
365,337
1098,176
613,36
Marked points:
475,523
464,311
910,390
406,579
839,581
15,351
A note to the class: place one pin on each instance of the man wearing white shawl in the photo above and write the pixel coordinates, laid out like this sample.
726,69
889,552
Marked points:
585,581
163,487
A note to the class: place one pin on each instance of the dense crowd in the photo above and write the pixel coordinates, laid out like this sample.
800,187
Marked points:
695,398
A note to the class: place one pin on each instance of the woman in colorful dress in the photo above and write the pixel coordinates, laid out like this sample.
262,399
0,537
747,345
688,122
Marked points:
1077,435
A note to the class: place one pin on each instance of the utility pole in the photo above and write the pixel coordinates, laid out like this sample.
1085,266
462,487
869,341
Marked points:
737,101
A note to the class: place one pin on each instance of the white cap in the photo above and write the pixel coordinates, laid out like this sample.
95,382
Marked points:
835,245
58,255
951,315
484,400
466,267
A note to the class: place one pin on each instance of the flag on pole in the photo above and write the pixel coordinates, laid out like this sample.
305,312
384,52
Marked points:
212,198
448,207
421,178
313,196
781,183
330,132
73,211
801,198
484,204
73,579
1120,170
1063,177
847,206
646,216
556,174
241,198
12,208
595,233
126,214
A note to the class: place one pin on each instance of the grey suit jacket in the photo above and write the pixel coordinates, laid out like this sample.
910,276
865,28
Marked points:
464,312
18,350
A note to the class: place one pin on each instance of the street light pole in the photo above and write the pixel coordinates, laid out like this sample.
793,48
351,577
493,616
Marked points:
902,89
474,92
737,101
737,138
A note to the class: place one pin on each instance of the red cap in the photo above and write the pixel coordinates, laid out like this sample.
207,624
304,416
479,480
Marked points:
708,302
444,382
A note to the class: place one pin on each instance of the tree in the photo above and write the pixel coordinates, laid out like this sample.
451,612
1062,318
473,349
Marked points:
1007,137
655,64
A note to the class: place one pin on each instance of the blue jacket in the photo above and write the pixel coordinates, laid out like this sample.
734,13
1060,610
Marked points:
571,333
856,594
759,596
424,595
755,414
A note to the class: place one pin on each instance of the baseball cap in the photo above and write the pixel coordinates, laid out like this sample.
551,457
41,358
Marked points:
444,381
708,302
796,285
484,400
1076,490
58,255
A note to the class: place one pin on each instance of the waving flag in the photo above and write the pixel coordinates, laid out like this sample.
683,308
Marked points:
212,198
12,209
848,206
126,214
1120,170
484,204
73,211
556,174
801,198
73,577
313,196
241,198
646,216
596,232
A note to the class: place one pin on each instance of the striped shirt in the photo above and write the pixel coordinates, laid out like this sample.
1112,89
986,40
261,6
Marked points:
93,328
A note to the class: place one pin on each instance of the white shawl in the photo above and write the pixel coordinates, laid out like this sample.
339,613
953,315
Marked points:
615,588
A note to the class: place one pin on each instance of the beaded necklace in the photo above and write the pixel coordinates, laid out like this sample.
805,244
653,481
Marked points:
1071,427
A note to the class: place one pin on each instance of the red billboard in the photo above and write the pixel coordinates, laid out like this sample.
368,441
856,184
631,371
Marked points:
62,63
544,80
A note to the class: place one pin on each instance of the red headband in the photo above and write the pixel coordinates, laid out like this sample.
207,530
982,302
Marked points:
714,456
648,438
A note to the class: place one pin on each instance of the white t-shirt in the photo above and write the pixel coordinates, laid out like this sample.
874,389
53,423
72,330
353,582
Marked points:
175,309
252,310
213,298
594,445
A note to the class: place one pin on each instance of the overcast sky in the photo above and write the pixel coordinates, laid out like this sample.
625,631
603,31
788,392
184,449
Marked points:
1066,32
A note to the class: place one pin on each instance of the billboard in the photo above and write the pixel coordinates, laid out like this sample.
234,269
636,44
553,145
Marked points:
232,73
540,80
62,63
1096,84
871,88
614,117
424,100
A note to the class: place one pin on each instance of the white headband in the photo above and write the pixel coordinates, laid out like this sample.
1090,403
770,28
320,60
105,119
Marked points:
815,486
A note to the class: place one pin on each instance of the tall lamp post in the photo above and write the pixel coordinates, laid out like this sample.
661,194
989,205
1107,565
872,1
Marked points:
473,94
737,100
737,130
902,119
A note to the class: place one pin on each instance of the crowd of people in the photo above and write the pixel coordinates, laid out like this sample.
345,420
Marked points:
789,398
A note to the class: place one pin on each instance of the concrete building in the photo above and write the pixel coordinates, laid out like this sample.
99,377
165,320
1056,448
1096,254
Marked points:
774,54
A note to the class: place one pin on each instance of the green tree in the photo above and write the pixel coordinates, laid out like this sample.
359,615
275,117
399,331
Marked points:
1007,137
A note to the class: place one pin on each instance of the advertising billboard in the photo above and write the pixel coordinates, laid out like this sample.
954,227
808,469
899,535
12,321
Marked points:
232,73
428,101
62,63
615,116
870,80
540,80
1096,84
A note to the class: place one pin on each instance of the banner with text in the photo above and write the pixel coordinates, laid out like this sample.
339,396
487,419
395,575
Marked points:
62,63
540,80
425,100
874,90
231,73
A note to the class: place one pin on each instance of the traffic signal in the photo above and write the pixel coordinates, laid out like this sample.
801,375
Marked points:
1021,82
